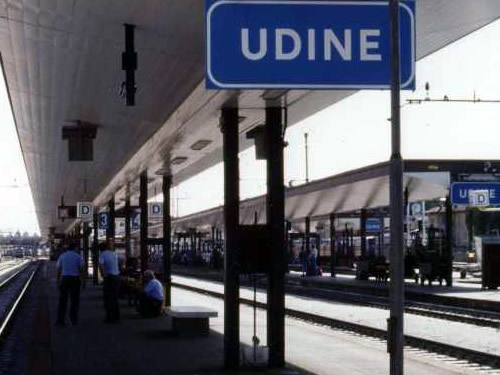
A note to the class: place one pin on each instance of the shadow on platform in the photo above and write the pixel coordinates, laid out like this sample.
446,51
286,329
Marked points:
132,347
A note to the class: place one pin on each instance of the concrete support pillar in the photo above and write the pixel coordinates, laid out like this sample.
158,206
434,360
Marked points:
167,242
449,242
110,231
362,228
307,236
127,222
143,204
95,247
276,222
333,247
86,233
229,126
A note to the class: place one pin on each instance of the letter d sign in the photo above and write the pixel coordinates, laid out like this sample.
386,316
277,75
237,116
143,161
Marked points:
84,210
155,209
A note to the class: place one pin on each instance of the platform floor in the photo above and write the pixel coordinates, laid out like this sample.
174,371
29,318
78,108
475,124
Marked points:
138,346
135,345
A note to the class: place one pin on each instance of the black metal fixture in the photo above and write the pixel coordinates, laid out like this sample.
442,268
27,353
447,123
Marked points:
80,138
129,64
163,171
258,134
200,144
178,160
65,212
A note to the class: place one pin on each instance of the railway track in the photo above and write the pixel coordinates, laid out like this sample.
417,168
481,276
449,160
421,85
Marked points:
474,359
456,314
470,316
12,292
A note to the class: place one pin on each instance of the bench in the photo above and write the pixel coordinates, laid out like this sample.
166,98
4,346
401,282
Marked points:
190,321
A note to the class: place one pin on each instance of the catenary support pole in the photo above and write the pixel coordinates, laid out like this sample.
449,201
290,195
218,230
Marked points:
276,222
167,242
333,250
229,127
143,204
395,326
127,222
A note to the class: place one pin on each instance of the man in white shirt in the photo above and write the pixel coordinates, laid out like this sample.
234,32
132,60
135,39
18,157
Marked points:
151,300
110,271
69,279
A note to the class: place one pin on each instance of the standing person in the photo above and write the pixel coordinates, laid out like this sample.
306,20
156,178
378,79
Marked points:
70,270
151,299
110,271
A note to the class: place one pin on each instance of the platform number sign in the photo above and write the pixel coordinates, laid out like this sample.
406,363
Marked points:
156,209
135,221
84,210
479,198
103,220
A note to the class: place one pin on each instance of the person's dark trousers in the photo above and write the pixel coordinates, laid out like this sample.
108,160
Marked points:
149,307
70,287
110,288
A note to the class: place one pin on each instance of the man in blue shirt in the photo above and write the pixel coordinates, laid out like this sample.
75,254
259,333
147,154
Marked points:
69,279
110,271
151,300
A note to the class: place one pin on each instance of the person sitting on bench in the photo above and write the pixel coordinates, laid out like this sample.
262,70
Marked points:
151,299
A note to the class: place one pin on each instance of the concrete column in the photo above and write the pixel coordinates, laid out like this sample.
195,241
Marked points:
110,232
86,233
127,222
362,230
448,256
95,247
307,233
167,241
276,222
143,204
333,249
229,126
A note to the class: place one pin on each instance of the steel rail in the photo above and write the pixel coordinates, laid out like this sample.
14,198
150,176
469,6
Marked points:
15,305
11,277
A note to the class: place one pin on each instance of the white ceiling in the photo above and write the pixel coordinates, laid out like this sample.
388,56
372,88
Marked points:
62,61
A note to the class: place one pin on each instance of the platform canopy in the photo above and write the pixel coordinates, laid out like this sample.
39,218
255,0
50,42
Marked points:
62,63
349,192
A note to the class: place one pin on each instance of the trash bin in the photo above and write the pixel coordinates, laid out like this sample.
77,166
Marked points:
490,262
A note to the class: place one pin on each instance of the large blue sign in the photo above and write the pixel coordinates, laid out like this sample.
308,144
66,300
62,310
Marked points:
460,191
254,44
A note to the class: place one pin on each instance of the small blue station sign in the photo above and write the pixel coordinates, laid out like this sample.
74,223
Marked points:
266,44
460,191
373,225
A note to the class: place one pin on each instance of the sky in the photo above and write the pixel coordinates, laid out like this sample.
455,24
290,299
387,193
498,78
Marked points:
348,135
17,211
356,132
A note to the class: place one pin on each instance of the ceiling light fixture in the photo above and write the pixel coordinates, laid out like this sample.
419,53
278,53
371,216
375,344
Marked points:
200,144
178,160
